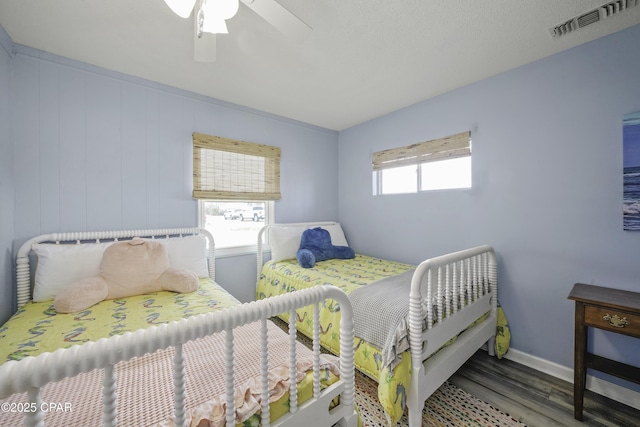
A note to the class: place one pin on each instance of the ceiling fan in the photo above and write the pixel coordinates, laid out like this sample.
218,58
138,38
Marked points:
210,16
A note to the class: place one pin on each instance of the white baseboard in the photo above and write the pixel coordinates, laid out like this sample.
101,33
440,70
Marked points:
596,385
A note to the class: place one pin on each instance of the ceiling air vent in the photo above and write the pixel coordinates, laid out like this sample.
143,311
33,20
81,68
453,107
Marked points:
591,17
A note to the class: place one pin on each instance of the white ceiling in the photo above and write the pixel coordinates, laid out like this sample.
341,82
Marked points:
363,59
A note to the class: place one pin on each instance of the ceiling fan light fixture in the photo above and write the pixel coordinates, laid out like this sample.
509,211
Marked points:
215,26
221,9
182,8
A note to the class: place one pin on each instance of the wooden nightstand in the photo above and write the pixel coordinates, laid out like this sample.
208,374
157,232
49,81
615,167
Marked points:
613,310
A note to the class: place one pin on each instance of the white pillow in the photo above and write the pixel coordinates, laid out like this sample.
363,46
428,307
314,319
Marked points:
337,235
189,253
61,265
285,241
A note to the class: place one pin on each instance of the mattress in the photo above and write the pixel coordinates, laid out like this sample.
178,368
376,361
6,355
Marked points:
145,384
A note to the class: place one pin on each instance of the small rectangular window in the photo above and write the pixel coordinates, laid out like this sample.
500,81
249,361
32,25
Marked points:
439,164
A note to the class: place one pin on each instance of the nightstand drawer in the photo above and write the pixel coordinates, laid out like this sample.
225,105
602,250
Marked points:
612,320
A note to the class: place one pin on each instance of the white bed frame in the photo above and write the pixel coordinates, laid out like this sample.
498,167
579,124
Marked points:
445,279
30,374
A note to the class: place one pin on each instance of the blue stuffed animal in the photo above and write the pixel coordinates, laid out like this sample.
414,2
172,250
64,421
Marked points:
315,245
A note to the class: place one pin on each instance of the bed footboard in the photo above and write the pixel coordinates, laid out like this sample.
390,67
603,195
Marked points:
32,373
451,292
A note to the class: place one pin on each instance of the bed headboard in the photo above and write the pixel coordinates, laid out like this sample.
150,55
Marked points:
24,281
285,238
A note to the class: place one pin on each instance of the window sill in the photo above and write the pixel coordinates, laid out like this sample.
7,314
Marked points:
240,251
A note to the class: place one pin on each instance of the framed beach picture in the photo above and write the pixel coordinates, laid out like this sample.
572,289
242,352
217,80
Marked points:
631,163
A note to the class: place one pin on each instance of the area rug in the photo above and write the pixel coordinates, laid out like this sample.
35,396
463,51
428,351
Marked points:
449,406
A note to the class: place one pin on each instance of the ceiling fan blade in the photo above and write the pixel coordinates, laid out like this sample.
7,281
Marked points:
276,15
182,8
204,46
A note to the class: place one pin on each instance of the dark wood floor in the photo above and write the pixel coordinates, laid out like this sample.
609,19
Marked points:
535,398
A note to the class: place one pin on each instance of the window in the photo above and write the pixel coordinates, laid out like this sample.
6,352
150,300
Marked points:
446,174
234,224
402,179
438,164
236,183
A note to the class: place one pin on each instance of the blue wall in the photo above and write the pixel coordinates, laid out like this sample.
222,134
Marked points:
6,178
547,187
97,150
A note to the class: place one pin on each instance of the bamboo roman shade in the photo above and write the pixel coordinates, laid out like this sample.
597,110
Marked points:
228,169
450,147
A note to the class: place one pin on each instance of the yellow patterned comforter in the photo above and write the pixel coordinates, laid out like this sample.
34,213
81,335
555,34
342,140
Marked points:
349,275
37,328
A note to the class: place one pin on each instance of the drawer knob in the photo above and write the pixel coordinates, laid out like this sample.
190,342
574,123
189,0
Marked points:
616,321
